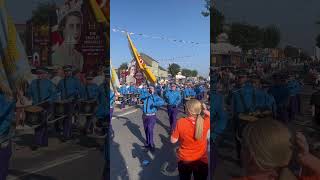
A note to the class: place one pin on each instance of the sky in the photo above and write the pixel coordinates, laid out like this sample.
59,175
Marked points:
295,18
177,19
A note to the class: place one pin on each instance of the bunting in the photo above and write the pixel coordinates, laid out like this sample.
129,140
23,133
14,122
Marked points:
158,37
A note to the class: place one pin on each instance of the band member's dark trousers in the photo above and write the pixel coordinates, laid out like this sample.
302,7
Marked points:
148,124
299,102
282,114
198,168
5,155
67,123
213,157
41,132
172,113
293,107
123,104
237,129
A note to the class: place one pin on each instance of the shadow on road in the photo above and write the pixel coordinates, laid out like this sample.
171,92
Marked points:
134,129
29,176
164,164
118,166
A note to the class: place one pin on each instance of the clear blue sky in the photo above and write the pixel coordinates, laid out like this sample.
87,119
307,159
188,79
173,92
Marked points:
178,19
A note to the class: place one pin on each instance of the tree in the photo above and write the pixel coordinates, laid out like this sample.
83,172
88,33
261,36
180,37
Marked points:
318,41
271,37
186,72
291,52
44,13
174,69
123,66
246,36
194,73
216,19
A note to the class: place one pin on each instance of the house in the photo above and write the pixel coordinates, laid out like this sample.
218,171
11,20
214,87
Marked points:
158,71
224,53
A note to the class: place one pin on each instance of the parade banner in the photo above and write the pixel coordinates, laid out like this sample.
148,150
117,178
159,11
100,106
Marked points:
140,63
83,40
14,66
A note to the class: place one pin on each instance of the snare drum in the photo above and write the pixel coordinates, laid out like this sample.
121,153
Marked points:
61,108
33,115
88,106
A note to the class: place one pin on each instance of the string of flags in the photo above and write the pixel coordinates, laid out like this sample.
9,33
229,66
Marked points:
157,37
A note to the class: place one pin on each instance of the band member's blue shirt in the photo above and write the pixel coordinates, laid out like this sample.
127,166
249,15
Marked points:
280,94
219,115
143,91
131,89
243,99
41,90
294,87
6,114
103,103
123,90
188,92
69,87
89,91
151,103
173,97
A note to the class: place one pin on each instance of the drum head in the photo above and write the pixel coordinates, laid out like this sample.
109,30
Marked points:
34,109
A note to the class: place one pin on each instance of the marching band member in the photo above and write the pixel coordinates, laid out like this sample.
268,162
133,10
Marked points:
105,106
123,91
280,92
6,117
42,90
173,98
294,89
199,90
242,102
69,87
150,106
131,91
187,93
219,122
89,91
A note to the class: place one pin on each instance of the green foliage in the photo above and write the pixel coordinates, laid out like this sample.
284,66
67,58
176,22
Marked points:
174,69
271,37
44,13
123,66
249,36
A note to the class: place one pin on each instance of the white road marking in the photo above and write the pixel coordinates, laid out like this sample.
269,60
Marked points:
51,164
126,113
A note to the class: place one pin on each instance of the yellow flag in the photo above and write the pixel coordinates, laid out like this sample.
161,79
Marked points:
98,13
142,66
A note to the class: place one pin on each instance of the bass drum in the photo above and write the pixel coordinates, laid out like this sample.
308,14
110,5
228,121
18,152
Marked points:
34,115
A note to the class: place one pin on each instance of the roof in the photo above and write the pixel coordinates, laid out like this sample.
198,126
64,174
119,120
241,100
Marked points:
147,59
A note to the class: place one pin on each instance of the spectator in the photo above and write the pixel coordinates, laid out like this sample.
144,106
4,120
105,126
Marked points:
192,133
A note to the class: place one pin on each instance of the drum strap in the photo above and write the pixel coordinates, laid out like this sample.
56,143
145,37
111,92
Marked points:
38,90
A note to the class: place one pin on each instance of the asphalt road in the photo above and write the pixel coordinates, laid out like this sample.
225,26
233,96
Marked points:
127,153
80,158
